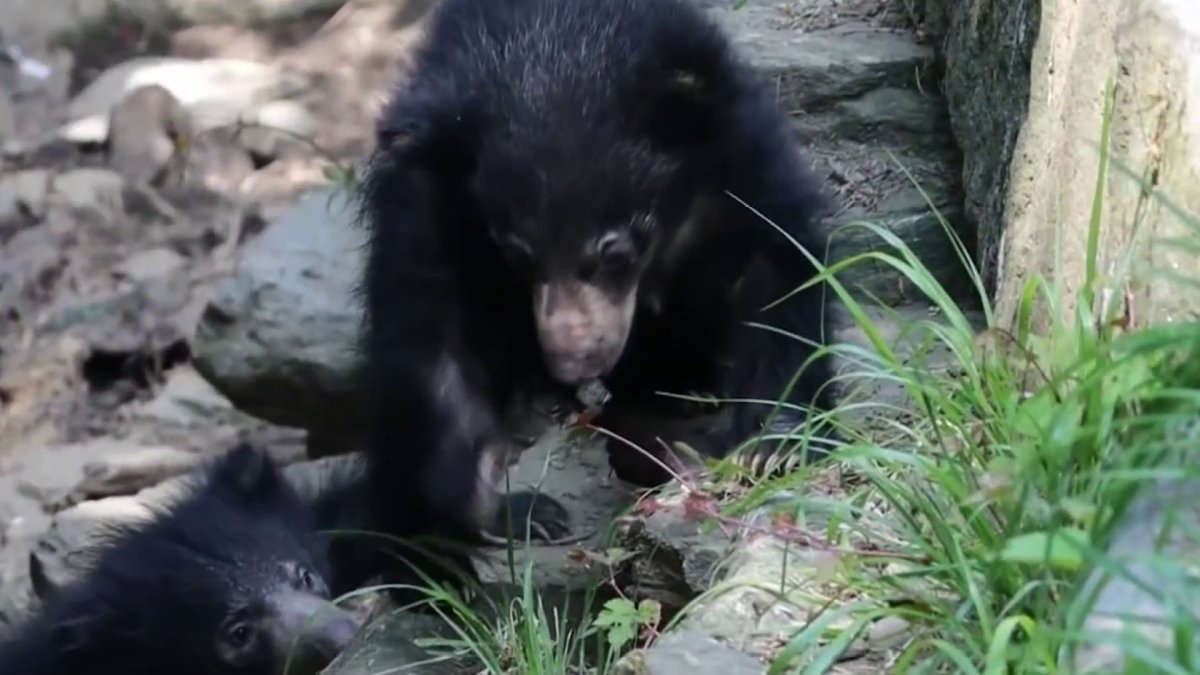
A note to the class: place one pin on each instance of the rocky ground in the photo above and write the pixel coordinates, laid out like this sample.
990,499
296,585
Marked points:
175,265
138,159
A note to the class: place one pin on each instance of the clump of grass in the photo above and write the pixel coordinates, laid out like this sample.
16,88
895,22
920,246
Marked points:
509,630
1001,493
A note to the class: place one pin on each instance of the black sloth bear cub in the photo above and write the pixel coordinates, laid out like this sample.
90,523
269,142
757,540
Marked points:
224,581
570,187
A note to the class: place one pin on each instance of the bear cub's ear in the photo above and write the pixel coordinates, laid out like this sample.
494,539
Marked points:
443,141
678,107
250,473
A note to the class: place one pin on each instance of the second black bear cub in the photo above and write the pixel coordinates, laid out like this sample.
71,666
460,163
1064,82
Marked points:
227,580
557,188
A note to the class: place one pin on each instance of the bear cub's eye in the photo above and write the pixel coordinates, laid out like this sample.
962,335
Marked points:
238,635
615,251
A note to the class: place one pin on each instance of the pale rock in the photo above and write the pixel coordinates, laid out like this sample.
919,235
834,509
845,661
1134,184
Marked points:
278,185
90,187
144,133
132,470
68,545
186,399
278,127
24,191
248,12
8,119
151,264
38,22
218,164
289,116
215,92
46,475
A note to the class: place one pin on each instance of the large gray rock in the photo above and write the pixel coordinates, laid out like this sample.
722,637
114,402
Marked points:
1155,590
735,594
720,580
277,338
688,652
987,47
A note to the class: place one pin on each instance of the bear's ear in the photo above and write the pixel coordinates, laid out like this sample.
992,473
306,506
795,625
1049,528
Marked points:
680,95
250,473
437,141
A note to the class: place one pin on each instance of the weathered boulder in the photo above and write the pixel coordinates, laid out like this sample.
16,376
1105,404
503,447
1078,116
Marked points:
1151,49
66,548
726,583
24,192
30,488
1034,210
277,337
986,46
747,588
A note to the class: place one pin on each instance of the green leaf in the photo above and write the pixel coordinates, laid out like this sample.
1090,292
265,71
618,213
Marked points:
649,611
1061,548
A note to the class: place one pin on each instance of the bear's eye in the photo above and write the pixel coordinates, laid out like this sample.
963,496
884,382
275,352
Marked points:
615,252
238,635
238,641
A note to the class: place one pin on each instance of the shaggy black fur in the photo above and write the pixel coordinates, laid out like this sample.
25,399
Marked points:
528,130
223,581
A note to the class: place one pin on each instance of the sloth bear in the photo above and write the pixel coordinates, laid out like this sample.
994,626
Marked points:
224,580
579,188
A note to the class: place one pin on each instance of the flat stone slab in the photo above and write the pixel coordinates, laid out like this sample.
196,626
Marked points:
813,67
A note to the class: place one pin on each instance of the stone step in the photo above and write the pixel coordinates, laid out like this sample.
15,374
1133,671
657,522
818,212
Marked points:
897,118
894,190
862,97
819,67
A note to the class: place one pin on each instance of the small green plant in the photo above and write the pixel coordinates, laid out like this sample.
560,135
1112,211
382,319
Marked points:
625,620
